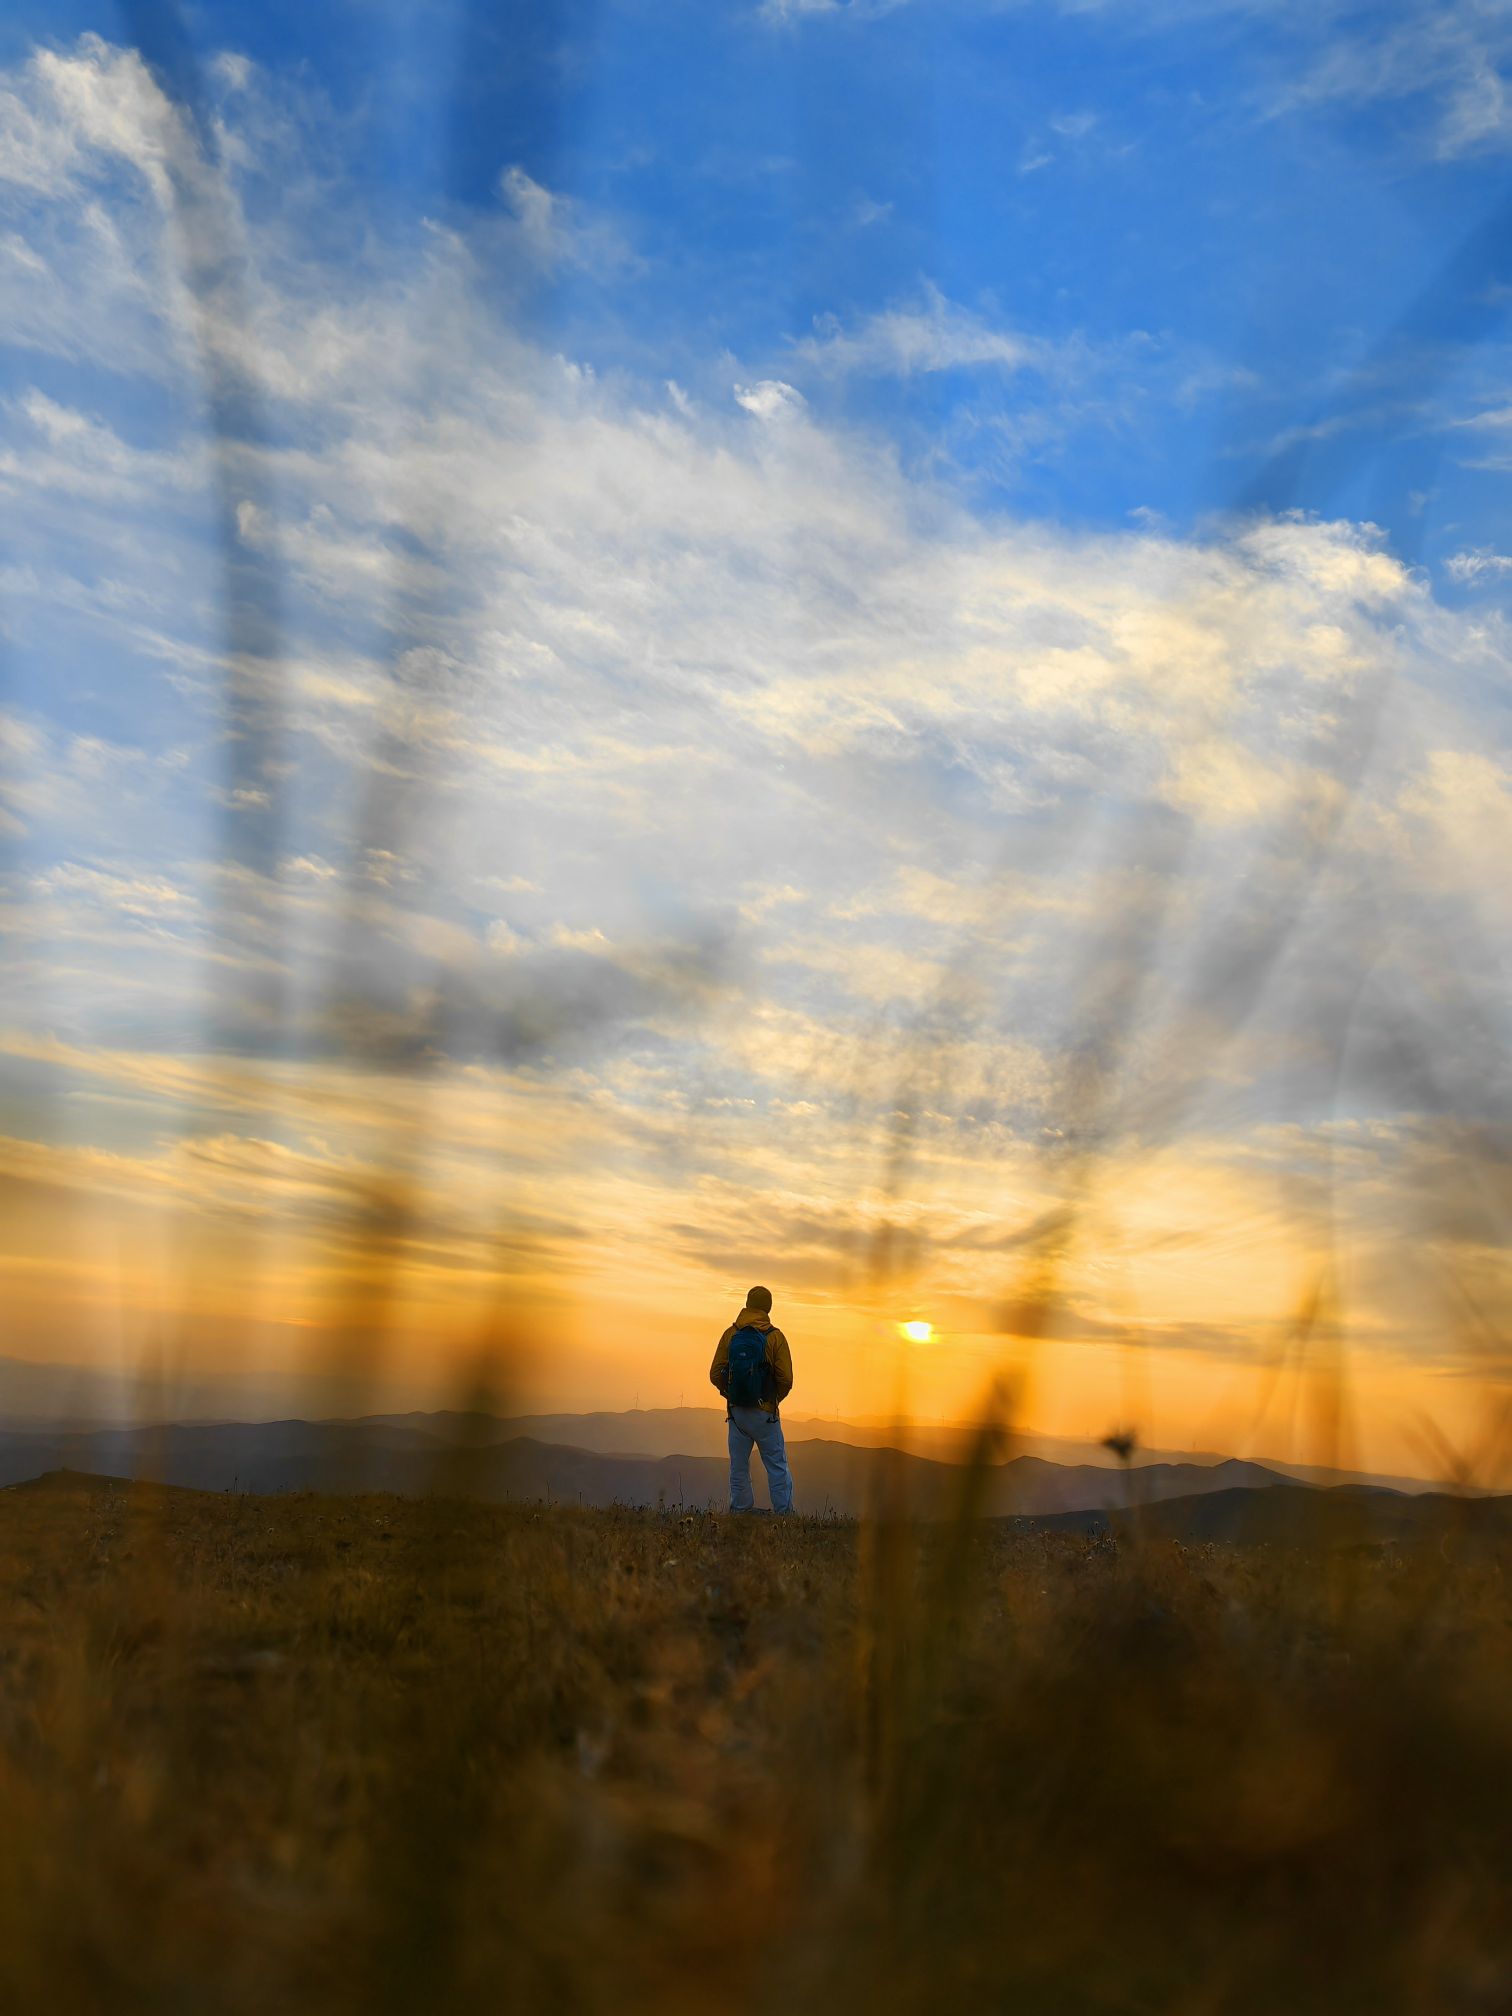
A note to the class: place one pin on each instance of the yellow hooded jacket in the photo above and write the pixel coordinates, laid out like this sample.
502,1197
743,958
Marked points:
778,1357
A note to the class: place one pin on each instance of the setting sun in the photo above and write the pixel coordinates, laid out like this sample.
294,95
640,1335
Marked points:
670,674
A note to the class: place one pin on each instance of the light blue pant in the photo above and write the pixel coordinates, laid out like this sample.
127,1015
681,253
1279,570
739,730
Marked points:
753,1425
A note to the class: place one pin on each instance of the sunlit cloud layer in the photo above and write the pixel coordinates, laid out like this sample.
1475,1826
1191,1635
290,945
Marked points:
500,845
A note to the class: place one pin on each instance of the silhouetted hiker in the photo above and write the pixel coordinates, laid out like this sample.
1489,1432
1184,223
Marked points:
753,1368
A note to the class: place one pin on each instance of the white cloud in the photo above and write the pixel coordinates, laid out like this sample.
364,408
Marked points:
510,885
234,71
727,689
793,10
1477,566
71,452
131,893
868,972
933,335
558,230
109,102
779,12
1467,795
1498,418
573,938
1476,112
1449,56
1224,783
769,399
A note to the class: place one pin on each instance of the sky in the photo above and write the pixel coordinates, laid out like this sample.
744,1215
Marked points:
646,647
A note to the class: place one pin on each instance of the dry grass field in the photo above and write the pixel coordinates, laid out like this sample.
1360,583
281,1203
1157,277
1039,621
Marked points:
381,1755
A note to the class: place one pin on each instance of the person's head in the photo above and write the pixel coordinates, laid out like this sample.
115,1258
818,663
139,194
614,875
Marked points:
759,1298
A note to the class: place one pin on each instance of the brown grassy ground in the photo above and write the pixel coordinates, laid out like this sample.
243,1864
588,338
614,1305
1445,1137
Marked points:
371,1754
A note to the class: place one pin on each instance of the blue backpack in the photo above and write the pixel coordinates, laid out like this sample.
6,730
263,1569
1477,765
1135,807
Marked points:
748,1368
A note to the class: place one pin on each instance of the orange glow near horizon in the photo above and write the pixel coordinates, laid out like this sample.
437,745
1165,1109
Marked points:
327,1236
221,1266
622,839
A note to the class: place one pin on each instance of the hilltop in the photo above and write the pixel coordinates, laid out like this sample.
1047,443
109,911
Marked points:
379,1754
1345,1515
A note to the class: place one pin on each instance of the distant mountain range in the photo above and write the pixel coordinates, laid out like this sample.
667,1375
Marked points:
478,1456
46,1398
700,1431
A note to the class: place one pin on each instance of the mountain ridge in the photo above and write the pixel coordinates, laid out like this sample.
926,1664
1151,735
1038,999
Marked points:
48,1398
840,1477
647,1431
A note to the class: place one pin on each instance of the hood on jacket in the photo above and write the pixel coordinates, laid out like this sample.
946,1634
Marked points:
753,1319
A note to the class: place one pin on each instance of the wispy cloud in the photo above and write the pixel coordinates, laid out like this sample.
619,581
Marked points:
780,12
681,784
1477,566
930,334
560,231
769,399
1448,58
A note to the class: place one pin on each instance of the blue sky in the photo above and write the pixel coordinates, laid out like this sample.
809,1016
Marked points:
846,622
1215,224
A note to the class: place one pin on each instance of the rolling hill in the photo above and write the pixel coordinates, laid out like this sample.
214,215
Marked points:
413,1458
1346,1515
700,1431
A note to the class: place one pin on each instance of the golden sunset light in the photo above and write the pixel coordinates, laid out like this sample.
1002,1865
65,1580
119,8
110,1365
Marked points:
678,681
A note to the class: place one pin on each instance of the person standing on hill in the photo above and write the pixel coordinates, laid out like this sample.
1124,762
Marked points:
753,1369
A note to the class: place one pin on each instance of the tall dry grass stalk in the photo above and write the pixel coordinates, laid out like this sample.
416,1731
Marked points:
425,1754
433,1756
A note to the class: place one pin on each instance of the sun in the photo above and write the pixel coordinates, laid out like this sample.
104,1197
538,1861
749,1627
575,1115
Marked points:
917,1333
